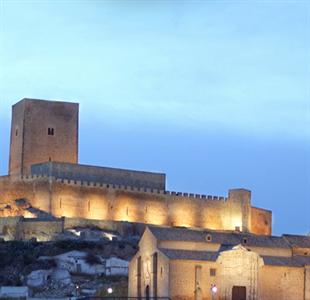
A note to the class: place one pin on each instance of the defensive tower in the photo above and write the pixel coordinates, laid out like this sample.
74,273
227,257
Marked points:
42,131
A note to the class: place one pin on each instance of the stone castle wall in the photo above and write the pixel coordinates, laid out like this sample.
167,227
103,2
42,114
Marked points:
19,228
75,199
261,221
78,172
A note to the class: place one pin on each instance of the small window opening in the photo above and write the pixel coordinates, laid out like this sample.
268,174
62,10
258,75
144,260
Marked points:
50,131
209,237
212,272
244,240
16,132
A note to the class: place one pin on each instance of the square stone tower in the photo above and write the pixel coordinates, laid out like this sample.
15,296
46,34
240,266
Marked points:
43,131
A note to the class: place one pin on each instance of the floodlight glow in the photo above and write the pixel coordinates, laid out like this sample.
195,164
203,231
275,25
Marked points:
110,290
214,289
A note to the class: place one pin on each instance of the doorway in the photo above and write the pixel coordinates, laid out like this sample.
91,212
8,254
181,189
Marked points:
147,292
239,293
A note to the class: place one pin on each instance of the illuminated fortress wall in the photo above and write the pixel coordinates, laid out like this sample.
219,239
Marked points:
44,170
90,200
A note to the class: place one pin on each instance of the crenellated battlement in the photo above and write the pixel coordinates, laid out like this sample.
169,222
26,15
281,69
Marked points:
94,184
105,201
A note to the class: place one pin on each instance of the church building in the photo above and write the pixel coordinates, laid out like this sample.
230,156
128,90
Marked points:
197,264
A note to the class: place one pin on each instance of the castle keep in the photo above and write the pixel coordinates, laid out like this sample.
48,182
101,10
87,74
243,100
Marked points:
44,170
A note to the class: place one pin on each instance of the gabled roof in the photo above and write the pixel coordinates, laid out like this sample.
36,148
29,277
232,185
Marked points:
294,261
218,237
301,241
190,254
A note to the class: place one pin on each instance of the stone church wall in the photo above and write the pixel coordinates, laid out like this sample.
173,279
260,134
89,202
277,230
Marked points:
147,249
286,283
191,280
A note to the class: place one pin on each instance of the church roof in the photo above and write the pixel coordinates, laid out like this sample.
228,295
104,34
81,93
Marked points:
218,237
190,254
294,261
301,241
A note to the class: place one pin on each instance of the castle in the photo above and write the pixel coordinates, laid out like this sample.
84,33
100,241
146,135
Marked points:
44,170
194,247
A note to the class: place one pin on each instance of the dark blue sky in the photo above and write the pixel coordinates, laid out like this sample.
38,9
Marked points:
214,93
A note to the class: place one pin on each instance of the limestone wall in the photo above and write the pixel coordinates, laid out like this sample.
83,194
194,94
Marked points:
36,190
76,199
19,228
8,227
39,229
191,280
283,283
238,267
106,202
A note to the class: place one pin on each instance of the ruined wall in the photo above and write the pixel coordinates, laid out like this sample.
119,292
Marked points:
261,221
32,144
41,230
119,203
19,228
282,283
8,228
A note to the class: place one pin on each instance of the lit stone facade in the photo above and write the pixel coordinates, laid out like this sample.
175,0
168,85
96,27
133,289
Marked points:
242,266
44,171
